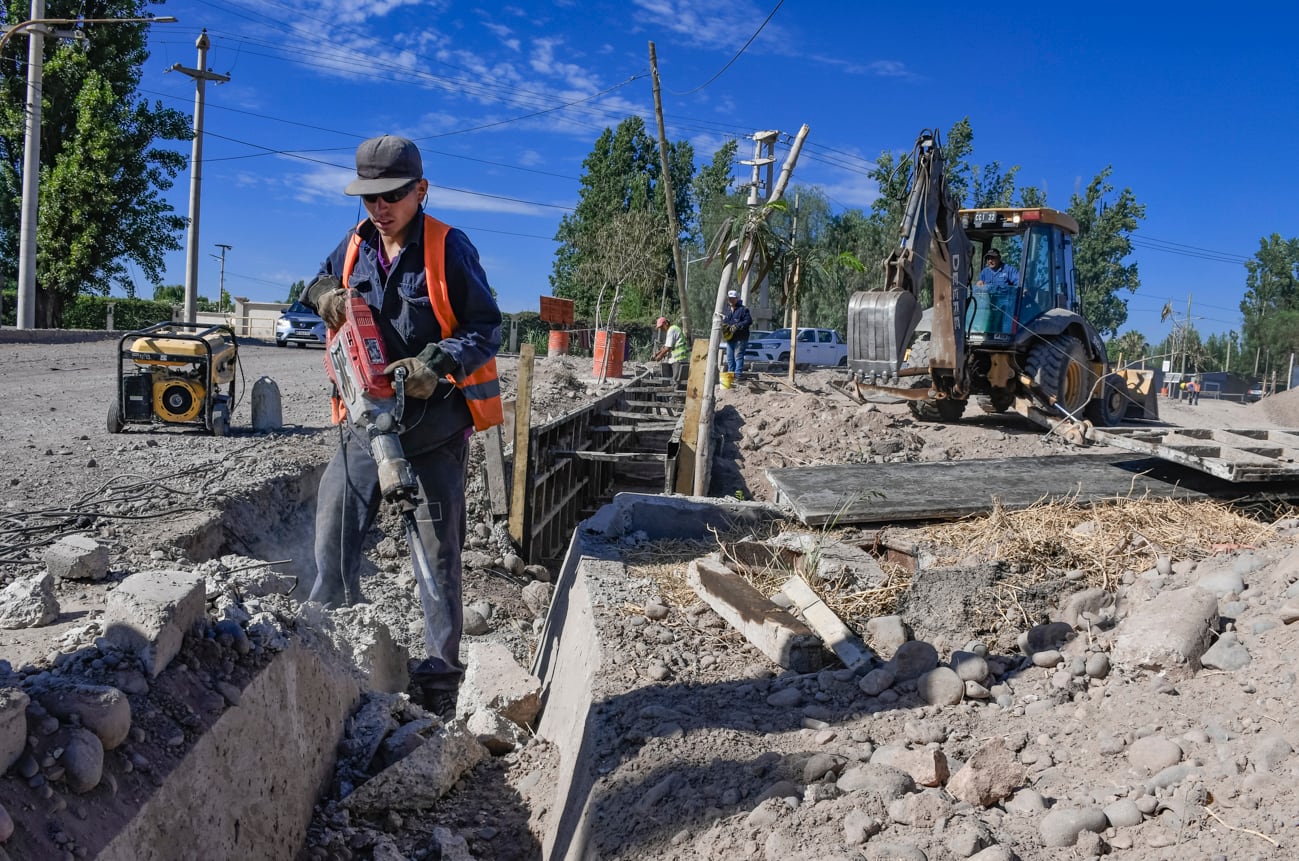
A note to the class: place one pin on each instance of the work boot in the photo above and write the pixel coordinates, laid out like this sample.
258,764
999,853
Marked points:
438,701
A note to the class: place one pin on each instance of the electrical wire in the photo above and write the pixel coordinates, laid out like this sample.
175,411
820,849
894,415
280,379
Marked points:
737,53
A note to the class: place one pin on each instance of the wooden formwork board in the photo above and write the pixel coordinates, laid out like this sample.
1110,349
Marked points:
574,461
898,492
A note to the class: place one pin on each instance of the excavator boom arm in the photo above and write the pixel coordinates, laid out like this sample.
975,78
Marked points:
881,323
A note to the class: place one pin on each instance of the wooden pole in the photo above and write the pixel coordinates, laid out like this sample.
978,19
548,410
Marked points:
793,294
687,454
674,227
704,455
521,493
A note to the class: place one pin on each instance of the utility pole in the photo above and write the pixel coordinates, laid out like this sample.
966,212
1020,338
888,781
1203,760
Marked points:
1186,334
36,30
762,141
674,226
201,76
26,318
221,297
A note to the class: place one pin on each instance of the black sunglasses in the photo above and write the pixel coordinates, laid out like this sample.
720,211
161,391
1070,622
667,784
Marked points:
391,196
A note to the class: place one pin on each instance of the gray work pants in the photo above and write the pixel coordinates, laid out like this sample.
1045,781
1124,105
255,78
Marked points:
346,507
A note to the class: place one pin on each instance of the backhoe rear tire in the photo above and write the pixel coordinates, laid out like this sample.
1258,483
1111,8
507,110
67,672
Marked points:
1059,367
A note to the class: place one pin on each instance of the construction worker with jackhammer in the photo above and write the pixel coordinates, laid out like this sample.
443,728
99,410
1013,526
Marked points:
430,299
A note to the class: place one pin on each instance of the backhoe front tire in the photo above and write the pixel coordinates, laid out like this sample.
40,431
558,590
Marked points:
1109,408
1059,367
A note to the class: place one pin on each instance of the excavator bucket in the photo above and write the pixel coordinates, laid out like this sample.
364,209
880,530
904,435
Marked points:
880,325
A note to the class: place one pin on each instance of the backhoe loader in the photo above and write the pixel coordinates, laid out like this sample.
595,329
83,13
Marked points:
1025,347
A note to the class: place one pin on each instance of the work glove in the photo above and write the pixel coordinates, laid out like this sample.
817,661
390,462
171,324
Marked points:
327,296
425,370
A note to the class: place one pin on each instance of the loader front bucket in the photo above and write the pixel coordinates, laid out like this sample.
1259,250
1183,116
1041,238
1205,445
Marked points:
880,325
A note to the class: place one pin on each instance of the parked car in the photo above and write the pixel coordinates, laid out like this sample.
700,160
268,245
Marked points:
1255,393
823,347
299,325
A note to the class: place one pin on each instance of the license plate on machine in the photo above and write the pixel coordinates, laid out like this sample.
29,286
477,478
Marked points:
982,218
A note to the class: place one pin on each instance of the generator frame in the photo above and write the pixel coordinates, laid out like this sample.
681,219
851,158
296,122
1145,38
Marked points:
218,397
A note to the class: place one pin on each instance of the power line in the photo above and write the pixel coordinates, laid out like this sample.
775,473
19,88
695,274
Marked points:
737,54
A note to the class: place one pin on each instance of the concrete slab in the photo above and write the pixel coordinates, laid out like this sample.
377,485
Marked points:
247,787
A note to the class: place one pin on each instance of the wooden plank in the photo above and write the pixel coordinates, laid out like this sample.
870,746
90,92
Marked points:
892,492
494,458
522,487
612,456
827,625
685,456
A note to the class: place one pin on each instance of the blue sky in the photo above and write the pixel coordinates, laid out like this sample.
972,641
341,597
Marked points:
1193,104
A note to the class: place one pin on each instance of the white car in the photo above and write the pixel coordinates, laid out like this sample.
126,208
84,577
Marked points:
822,347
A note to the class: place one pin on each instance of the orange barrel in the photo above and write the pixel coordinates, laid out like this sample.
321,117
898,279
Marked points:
609,347
558,343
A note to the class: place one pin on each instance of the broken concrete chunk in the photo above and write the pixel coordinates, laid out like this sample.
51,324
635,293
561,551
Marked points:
77,557
419,780
773,631
149,614
28,603
826,623
13,726
381,660
494,732
494,681
268,412
103,710
1170,632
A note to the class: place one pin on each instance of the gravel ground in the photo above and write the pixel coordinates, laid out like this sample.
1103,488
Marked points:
715,753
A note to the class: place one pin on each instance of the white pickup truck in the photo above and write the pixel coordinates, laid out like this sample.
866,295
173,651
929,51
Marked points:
815,347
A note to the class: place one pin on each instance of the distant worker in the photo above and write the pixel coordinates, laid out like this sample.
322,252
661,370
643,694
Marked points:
1001,282
736,323
674,350
1193,391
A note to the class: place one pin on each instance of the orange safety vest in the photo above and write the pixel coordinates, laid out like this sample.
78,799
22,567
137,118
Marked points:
482,388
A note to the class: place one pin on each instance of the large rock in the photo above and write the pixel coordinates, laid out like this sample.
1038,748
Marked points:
1168,633
149,614
77,557
29,602
103,710
988,777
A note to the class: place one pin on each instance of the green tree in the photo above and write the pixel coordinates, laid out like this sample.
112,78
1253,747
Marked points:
1104,240
1130,348
101,175
296,290
621,175
171,293
1271,298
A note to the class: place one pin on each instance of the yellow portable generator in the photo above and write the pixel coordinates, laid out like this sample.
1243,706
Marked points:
176,373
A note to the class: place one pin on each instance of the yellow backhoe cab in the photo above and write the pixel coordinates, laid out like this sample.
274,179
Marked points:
1018,341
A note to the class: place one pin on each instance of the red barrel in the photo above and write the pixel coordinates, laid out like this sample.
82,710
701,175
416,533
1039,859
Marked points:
558,345
609,347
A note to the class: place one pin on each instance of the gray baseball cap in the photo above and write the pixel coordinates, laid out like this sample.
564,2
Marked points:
385,163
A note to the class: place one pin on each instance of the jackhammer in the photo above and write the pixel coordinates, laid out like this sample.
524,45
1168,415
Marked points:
355,360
